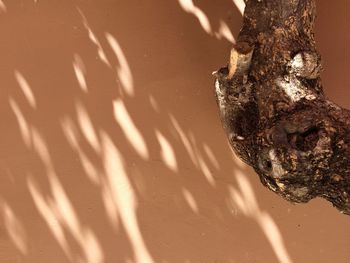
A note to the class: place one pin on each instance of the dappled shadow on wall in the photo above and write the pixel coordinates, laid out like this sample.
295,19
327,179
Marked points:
112,149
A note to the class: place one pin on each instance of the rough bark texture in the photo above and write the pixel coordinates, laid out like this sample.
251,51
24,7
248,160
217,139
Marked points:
273,108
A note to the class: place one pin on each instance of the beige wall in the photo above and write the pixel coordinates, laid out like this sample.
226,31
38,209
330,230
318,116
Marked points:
111,147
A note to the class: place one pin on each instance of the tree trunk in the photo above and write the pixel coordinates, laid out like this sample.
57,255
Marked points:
273,108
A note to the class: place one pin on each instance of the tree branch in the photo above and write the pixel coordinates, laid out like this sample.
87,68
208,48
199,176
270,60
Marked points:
273,108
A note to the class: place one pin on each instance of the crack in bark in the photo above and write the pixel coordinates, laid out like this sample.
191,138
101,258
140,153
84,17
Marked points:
273,108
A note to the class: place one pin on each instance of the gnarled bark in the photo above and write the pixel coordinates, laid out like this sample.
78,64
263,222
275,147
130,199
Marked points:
273,108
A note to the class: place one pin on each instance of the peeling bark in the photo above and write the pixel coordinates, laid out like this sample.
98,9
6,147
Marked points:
273,108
